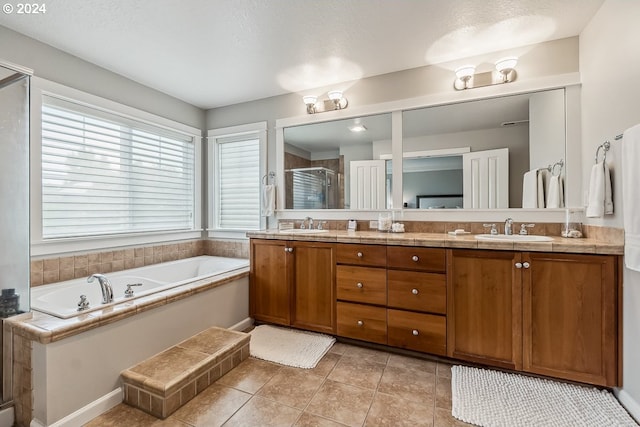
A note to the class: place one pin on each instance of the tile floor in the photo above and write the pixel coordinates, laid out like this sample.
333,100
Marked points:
351,386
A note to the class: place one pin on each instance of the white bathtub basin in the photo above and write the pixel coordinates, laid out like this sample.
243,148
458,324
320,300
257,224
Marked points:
514,238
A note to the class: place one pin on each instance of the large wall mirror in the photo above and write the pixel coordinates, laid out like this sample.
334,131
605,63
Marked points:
467,155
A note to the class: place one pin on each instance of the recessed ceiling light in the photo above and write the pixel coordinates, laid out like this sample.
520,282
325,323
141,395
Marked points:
357,128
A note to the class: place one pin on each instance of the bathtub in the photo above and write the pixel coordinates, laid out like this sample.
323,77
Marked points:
61,299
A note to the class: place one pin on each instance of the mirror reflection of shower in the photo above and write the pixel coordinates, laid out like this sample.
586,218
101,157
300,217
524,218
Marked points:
313,188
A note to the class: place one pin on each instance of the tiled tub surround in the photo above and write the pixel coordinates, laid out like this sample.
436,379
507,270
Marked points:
84,355
58,269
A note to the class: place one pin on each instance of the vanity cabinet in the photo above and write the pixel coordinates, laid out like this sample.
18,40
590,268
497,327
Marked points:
292,283
546,313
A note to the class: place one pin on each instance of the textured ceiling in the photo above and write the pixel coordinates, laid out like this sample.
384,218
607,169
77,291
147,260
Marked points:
212,53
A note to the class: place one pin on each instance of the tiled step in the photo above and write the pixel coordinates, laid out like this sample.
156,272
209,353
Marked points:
163,383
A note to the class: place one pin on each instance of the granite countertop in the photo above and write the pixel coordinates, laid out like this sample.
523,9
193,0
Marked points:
445,240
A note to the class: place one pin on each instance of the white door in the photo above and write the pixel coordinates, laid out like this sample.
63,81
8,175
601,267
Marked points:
485,176
367,184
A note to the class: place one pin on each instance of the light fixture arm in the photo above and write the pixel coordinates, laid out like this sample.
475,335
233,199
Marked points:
335,102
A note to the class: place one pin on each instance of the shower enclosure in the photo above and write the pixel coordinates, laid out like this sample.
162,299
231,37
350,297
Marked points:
14,200
312,188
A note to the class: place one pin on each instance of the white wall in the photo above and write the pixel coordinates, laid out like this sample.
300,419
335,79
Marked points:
609,68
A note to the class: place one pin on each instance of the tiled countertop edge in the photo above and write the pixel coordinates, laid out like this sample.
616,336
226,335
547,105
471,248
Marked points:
468,241
44,328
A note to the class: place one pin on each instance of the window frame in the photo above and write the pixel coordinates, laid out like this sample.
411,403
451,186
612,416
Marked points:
41,246
258,129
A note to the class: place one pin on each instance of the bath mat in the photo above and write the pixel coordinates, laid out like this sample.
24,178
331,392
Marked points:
289,347
491,398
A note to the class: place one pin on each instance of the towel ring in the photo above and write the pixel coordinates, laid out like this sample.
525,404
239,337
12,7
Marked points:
560,164
265,178
605,147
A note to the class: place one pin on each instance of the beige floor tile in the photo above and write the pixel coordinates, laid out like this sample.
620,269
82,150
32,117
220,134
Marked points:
325,365
408,384
341,402
310,420
398,361
291,387
444,369
361,373
260,412
392,411
443,418
250,375
125,415
367,354
443,392
339,348
215,405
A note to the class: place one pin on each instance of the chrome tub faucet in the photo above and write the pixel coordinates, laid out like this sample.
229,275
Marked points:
105,287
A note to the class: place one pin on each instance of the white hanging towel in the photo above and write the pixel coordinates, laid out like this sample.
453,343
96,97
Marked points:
600,201
631,196
530,188
555,196
268,199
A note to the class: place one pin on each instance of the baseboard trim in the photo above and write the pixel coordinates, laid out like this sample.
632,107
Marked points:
630,404
87,412
243,325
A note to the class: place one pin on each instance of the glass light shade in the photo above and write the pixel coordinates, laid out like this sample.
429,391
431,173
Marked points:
309,99
506,64
465,72
357,128
335,95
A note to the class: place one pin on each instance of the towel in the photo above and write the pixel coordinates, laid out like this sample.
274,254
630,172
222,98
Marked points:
600,201
555,196
631,196
543,187
268,199
533,188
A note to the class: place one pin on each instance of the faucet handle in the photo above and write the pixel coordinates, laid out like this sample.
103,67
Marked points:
493,230
320,225
523,228
129,292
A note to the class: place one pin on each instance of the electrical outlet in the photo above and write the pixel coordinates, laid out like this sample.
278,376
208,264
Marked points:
373,224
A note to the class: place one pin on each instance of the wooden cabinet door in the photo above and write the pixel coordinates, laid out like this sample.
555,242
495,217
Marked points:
269,295
314,282
484,307
569,307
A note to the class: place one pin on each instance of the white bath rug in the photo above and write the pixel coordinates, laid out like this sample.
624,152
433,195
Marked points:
289,347
491,398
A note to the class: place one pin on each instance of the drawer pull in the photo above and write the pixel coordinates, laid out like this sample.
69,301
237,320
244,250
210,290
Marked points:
415,332
526,264
360,323
518,265
359,285
360,255
415,258
414,291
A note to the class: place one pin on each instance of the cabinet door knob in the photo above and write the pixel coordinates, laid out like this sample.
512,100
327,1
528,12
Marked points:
414,291
526,264
359,254
360,323
518,265
289,250
415,332
415,258
359,285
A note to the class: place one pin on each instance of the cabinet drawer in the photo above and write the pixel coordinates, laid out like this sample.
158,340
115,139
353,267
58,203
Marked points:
362,284
417,331
362,322
411,290
373,255
425,259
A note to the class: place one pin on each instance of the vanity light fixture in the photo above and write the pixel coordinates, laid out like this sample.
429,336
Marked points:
358,128
466,77
335,102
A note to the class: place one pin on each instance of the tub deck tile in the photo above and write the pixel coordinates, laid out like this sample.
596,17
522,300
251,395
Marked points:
163,383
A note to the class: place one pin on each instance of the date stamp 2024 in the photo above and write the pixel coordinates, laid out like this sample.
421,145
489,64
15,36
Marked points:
24,8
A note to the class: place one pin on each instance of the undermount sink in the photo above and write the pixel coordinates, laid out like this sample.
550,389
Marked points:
514,237
304,231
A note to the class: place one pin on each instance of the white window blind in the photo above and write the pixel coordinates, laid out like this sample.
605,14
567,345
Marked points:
238,182
107,174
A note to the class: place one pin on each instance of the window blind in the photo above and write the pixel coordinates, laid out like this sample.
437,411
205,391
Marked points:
107,174
238,179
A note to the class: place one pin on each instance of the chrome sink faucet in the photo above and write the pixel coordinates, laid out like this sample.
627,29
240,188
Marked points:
508,226
309,221
105,287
